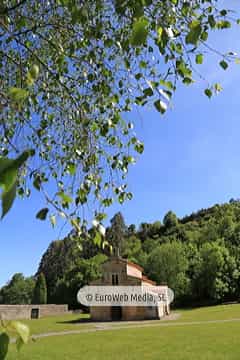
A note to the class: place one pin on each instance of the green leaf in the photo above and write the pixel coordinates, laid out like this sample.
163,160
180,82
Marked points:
4,163
21,329
139,147
4,343
139,32
160,32
148,92
160,106
37,182
19,343
208,93
187,80
66,199
167,84
199,58
71,168
204,36
8,179
8,199
53,220
129,196
218,87
23,157
121,198
8,176
223,64
223,24
138,76
18,94
223,12
34,72
42,214
211,21
97,239
195,33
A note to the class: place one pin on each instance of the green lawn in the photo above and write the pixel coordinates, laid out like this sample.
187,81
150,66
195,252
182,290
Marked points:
80,321
189,342
220,312
58,323
219,341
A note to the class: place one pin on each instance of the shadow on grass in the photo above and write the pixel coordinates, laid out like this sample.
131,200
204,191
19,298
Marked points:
75,321
88,320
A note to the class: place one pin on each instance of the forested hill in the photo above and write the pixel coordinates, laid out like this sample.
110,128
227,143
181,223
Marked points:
232,208
198,255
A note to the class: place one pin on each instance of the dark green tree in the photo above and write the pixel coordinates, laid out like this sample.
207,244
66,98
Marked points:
116,233
40,290
170,220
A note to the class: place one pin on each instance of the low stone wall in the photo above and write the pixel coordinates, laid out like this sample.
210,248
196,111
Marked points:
14,312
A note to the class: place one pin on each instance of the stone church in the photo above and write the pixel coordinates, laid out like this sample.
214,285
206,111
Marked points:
119,271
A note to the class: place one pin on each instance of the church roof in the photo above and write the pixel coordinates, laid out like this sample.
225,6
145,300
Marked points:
134,265
125,261
146,279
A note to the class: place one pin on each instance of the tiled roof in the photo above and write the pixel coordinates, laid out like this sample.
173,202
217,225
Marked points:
135,265
126,261
146,279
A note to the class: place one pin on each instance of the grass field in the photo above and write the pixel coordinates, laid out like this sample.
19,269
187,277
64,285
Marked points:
220,312
58,323
176,340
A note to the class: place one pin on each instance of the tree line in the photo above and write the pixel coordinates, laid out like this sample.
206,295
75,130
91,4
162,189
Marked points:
22,290
198,256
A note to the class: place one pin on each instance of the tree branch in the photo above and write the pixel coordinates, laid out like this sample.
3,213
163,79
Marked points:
7,10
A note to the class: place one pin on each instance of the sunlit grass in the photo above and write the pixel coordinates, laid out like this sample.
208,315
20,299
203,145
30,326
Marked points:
183,342
58,323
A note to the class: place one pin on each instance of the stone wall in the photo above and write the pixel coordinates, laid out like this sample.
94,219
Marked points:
100,313
14,312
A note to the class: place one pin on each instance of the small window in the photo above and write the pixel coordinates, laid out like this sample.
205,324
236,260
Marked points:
35,313
114,279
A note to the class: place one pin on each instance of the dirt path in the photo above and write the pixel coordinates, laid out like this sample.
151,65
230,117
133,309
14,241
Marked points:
129,325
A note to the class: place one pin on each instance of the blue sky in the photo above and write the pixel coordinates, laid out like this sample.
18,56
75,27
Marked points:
191,161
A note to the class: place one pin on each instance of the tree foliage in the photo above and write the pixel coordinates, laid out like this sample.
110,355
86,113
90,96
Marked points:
170,220
116,233
71,70
67,268
168,264
19,290
40,290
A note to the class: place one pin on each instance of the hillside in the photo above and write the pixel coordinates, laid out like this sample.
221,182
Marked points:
198,255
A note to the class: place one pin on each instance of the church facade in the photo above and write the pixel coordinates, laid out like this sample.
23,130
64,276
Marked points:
119,271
